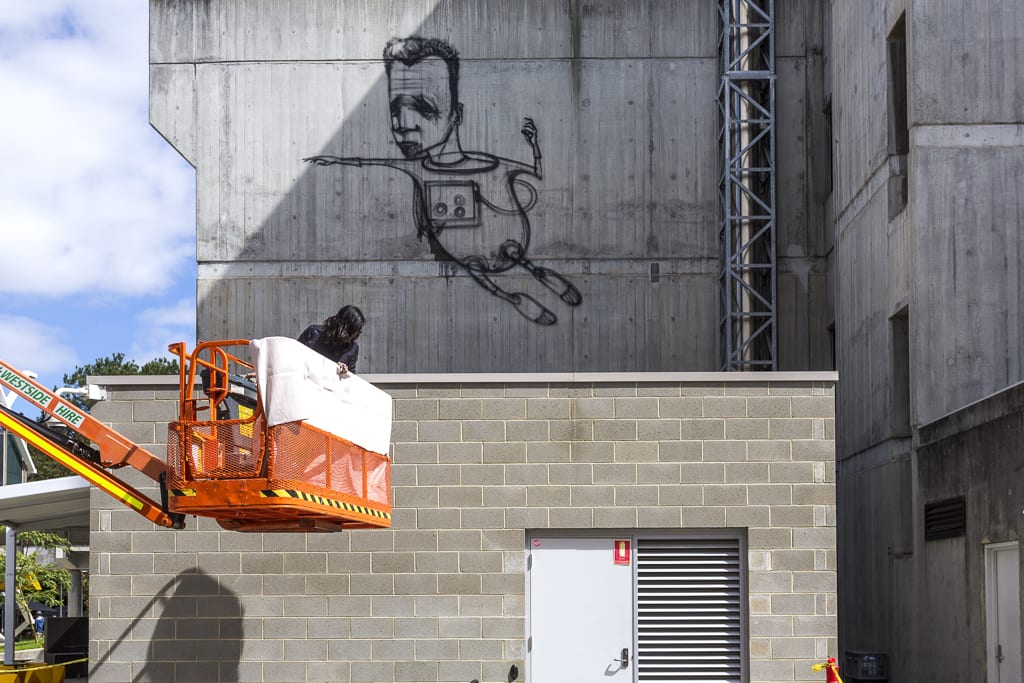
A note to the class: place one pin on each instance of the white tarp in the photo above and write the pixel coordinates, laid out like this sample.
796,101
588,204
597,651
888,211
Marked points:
297,383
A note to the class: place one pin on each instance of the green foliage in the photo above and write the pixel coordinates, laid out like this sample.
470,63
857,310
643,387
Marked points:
54,581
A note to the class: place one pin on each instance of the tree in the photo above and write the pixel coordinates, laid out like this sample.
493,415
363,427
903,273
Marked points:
36,581
114,364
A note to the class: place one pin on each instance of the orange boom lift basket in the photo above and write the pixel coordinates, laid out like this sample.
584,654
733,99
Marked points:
224,462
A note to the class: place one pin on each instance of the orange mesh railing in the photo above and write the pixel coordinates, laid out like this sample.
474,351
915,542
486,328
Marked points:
290,477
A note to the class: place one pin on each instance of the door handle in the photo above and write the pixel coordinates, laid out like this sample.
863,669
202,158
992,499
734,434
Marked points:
624,659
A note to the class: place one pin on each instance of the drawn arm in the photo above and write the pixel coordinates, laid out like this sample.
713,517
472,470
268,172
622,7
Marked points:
529,131
350,161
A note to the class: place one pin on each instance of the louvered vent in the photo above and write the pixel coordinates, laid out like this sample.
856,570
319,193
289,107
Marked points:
689,618
945,519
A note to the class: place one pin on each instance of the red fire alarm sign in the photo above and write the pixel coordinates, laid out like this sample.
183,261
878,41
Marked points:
622,552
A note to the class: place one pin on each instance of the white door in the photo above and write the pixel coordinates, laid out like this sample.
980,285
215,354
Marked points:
581,611
1002,596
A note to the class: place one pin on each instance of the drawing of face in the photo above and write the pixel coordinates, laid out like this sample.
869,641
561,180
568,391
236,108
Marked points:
423,115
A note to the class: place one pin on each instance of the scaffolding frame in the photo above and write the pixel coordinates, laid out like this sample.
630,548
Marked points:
746,99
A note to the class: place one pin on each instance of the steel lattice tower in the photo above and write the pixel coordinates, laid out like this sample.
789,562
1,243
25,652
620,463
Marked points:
747,185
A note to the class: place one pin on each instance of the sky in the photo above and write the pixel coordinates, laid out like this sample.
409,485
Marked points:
97,211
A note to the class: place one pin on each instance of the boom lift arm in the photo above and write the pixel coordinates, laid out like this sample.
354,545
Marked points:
114,449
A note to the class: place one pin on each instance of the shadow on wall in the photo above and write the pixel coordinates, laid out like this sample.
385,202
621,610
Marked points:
196,632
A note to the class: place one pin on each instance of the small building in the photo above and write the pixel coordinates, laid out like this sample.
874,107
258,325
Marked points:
634,522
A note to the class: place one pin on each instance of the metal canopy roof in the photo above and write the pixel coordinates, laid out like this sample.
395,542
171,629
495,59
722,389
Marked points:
52,504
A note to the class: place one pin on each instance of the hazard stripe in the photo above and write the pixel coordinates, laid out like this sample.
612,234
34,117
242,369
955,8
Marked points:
182,492
320,500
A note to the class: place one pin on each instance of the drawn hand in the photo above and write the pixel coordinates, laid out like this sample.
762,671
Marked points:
333,161
529,131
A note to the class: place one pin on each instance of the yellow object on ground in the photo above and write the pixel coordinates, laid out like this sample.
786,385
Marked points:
32,673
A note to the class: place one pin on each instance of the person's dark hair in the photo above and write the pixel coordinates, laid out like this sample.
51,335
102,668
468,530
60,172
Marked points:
414,49
344,326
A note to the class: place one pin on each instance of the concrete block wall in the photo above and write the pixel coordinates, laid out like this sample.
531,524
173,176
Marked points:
479,462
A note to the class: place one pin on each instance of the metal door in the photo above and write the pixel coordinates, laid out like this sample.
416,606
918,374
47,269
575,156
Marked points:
1002,591
581,611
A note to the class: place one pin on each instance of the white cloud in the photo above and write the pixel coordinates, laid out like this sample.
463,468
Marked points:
156,327
91,198
30,345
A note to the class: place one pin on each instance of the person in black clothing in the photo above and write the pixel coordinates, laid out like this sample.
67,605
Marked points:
336,337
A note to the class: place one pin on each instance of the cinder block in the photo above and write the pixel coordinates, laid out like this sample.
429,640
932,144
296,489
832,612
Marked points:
571,518
299,650
371,672
438,475
434,649
769,451
483,518
690,406
526,430
392,563
615,518
439,430
329,627
747,516
770,625
770,494
680,451
636,452
746,428
502,584
593,408
702,429
793,604
725,406
792,516
725,451
770,582
436,562
636,408
704,516
532,474
459,584
459,627
504,496
702,473
615,473
459,409
793,648
415,496
348,562
460,496
814,537
793,560
414,584
769,406
526,518
814,582
440,518
681,494
480,606
657,389
503,539
348,605
746,472
571,430
372,584
615,430
759,604
568,473
375,539
460,453
503,408
557,452
504,452
305,563
815,626
458,670
392,605
814,406
790,428
725,494
464,539
437,606
792,472
658,430
592,451
636,495
814,494
615,389
484,431
659,517
503,627
548,408
547,496
658,473
770,539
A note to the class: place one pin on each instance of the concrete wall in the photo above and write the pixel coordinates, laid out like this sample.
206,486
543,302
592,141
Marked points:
624,99
477,464
950,261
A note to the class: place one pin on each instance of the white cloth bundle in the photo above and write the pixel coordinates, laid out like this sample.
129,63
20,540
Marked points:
297,383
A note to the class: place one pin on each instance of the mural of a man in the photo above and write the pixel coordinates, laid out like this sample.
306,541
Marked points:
472,207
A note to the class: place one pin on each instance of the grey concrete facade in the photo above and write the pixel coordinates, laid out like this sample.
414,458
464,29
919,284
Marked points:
623,96
479,463
928,315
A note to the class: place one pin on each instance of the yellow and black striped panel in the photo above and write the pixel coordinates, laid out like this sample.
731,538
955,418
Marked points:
182,492
320,500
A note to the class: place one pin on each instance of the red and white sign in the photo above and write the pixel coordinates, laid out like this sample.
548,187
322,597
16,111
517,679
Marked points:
622,553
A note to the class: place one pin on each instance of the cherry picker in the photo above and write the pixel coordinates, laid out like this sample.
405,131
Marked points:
225,458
